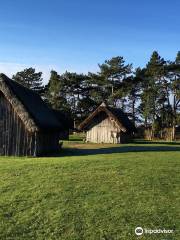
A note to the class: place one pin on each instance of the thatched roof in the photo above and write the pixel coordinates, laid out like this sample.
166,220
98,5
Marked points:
28,105
116,114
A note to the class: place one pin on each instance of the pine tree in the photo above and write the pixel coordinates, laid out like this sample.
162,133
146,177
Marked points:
173,69
30,79
114,72
55,93
133,88
153,96
77,87
176,84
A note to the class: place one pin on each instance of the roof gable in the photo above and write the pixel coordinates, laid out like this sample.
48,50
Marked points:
115,114
29,106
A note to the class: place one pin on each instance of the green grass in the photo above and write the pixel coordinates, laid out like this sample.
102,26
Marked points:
91,191
77,137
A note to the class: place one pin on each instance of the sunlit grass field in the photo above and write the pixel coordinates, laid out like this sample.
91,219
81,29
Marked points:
91,191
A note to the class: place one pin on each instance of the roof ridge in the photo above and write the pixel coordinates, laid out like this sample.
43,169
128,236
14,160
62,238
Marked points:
29,106
17,104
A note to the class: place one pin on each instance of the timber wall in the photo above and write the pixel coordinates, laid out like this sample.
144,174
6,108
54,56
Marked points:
105,130
15,140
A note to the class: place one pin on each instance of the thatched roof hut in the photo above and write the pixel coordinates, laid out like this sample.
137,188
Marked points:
27,125
107,125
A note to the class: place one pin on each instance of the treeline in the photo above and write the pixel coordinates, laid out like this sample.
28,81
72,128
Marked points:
149,95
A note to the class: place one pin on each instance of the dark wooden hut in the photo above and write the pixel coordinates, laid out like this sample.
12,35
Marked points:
27,126
107,125
66,122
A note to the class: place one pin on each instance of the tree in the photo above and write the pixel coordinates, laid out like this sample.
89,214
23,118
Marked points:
55,92
153,94
133,89
110,80
77,88
173,69
176,85
30,79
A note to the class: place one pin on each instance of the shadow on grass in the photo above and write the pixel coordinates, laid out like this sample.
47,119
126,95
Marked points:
79,140
139,141
120,149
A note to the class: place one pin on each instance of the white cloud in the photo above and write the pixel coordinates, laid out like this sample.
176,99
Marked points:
10,68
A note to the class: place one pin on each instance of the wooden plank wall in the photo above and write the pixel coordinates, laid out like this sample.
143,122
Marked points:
104,130
47,143
15,140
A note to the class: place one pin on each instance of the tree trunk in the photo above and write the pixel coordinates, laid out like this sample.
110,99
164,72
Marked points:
133,111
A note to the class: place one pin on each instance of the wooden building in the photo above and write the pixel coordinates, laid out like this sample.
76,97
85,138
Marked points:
27,126
107,125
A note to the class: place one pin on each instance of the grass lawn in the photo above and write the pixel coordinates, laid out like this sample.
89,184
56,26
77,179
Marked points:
91,191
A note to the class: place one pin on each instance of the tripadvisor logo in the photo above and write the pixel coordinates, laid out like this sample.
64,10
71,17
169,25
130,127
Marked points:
139,231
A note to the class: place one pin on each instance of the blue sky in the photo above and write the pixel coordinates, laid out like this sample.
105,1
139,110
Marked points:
77,35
